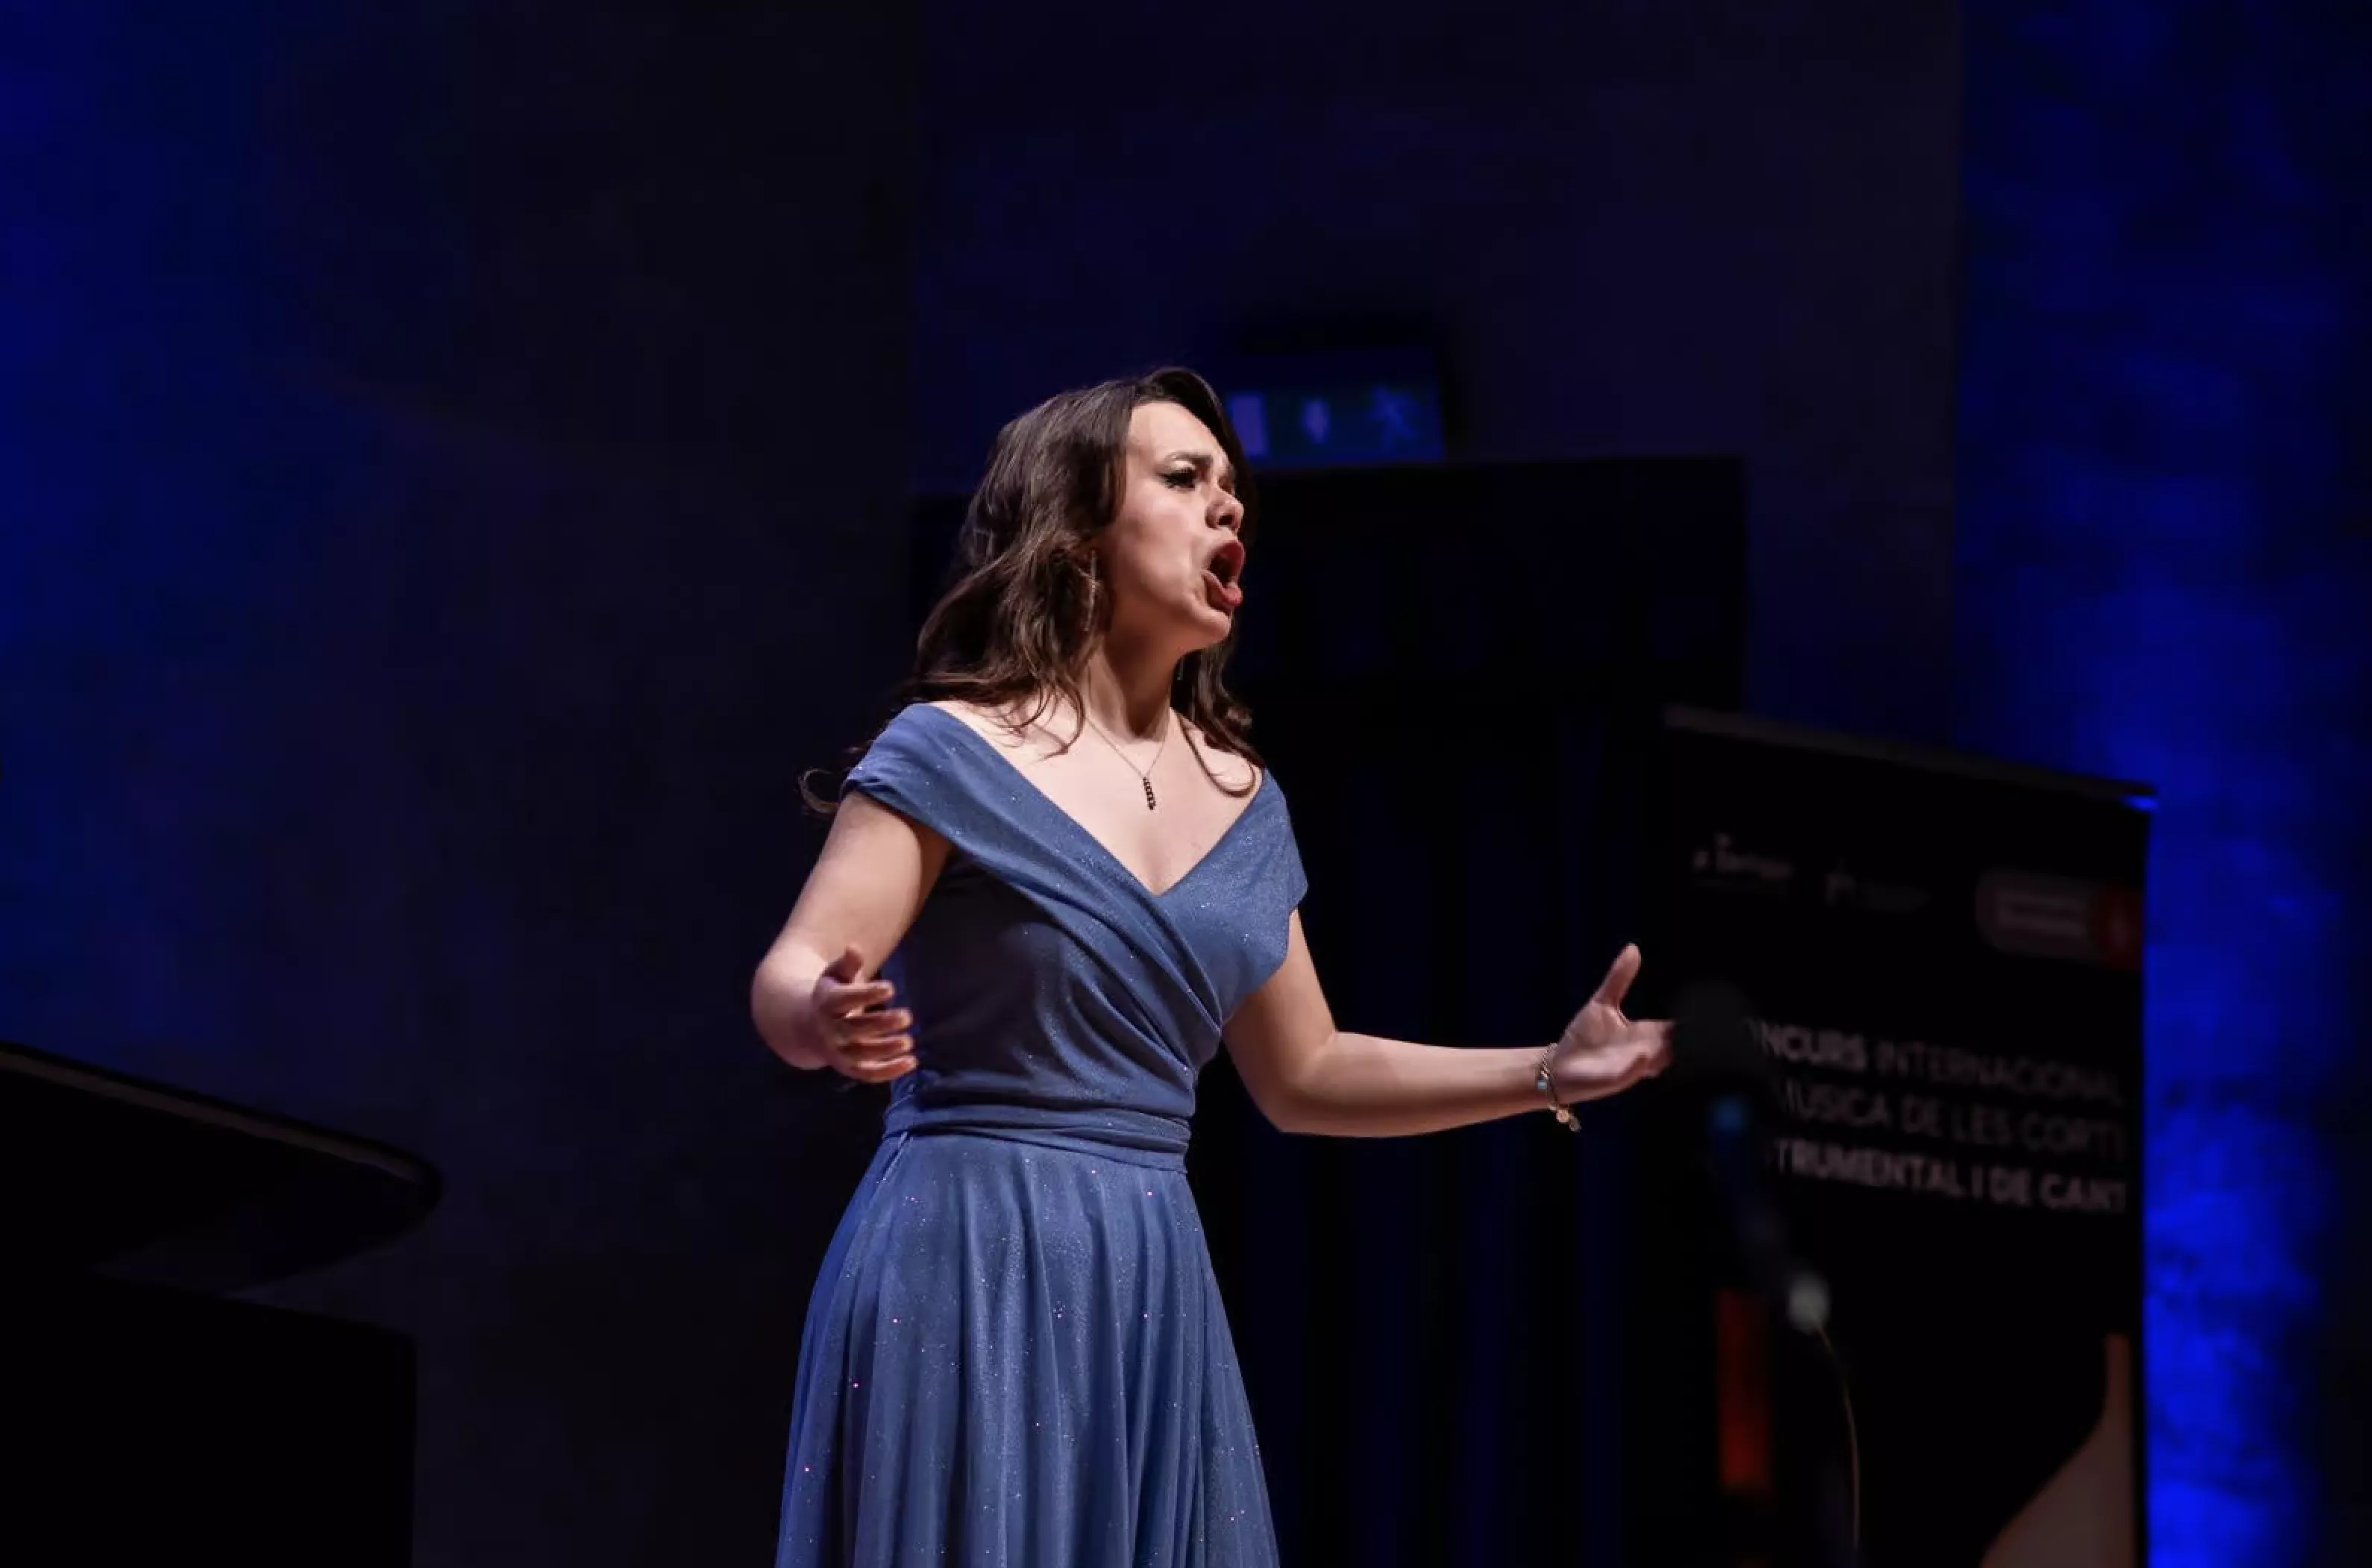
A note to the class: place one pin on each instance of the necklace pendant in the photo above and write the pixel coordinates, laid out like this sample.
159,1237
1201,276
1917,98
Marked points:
1149,801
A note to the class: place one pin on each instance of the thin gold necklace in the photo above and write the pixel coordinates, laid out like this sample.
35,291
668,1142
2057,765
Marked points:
1144,774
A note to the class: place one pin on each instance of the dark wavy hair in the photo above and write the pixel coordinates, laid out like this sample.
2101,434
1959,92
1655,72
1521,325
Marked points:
1025,604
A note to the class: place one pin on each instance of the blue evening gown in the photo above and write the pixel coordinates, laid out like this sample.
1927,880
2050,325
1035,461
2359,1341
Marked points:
1016,1355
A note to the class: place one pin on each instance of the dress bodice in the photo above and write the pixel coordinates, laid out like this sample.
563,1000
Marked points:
1053,993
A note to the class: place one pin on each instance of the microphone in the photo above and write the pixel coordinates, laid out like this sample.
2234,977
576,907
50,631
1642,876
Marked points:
1720,1064
1717,1062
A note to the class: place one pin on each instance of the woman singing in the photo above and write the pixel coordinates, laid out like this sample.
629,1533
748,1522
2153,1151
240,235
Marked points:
1081,877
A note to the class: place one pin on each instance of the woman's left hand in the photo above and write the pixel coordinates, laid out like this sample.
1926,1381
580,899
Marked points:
1604,1050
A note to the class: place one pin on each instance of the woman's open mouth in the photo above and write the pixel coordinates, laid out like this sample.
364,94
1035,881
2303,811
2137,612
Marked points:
1223,579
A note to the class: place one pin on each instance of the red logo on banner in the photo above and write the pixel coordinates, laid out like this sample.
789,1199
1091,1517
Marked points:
2117,927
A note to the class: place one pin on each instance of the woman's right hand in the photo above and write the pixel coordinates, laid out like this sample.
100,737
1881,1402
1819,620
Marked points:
860,1035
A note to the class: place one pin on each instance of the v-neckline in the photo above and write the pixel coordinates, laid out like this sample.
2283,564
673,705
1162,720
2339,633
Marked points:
1260,789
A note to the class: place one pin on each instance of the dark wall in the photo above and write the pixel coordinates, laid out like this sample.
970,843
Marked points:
2166,560
1716,226
452,480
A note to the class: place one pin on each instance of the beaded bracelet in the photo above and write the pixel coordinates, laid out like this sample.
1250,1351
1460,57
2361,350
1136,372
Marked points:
1544,1080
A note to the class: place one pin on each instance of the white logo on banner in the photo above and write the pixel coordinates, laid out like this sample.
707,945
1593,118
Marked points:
1847,889
1723,862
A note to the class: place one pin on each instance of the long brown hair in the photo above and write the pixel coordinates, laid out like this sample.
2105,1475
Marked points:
1010,632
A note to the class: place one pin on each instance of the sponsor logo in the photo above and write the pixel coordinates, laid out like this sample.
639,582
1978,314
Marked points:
1847,889
1724,862
2032,915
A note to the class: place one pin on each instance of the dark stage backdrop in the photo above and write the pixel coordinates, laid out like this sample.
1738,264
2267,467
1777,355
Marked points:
452,480
1624,229
1454,673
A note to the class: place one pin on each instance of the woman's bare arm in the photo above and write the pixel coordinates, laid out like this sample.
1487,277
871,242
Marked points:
876,869
1308,1076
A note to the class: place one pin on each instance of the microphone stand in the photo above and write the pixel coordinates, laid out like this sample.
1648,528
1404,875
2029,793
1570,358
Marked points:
1718,1061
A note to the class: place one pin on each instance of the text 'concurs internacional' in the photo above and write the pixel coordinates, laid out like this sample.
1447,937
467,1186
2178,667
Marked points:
1953,1122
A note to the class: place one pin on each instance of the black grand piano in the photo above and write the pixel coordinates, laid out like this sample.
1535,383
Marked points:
146,1414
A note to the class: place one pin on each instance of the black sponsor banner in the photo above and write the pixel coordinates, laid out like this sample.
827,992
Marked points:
1940,962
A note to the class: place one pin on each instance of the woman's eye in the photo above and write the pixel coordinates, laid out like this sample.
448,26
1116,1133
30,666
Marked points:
1185,479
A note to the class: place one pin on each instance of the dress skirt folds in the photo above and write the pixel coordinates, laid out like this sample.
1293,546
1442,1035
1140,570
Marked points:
1016,1355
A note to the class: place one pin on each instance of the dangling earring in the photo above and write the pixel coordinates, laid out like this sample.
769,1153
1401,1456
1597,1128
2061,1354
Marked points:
1092,569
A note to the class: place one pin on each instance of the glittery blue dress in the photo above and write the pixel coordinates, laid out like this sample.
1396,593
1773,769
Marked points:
1016,1355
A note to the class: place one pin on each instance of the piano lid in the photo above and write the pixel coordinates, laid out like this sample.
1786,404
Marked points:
100,1173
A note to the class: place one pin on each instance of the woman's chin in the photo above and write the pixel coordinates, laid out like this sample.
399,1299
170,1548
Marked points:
1218,608
1214,625
1191,629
